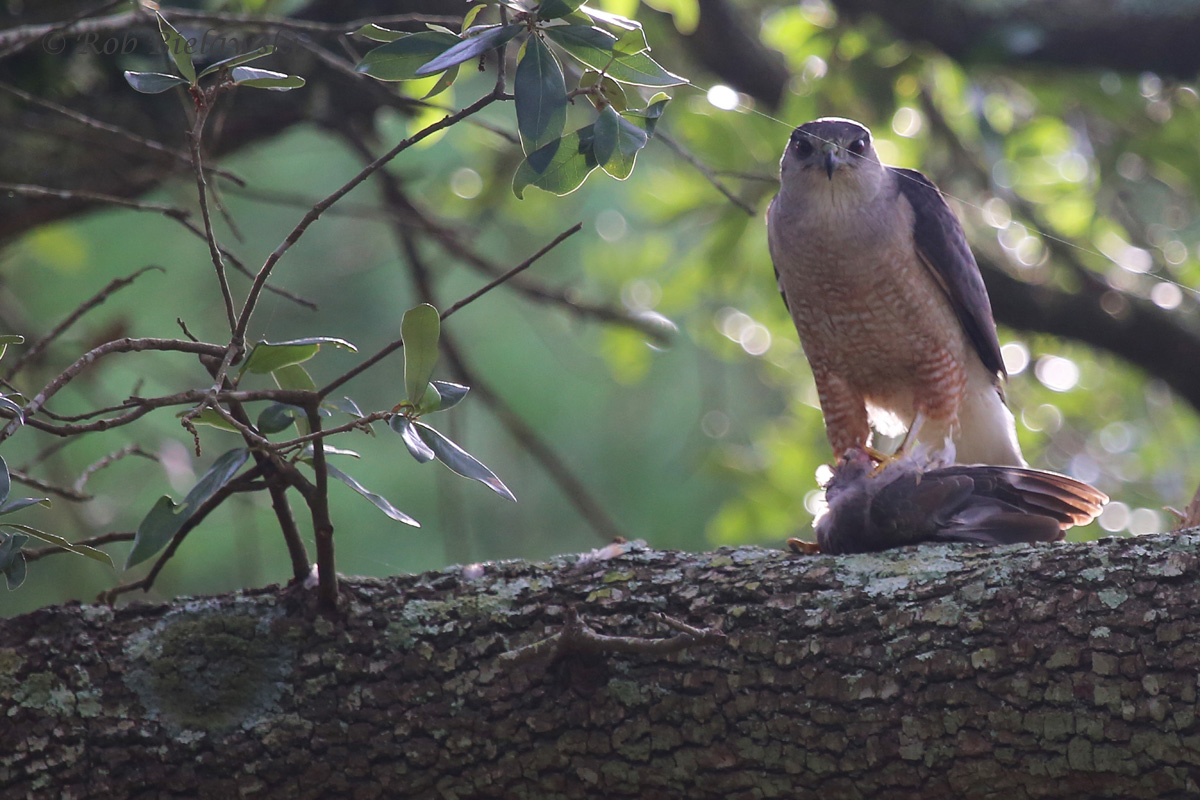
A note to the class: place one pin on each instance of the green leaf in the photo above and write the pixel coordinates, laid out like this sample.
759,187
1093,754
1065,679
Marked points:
412,440
18,503
5,481
560,167
269,356
166,518
420,329
461,461
18,412
647,118
152,82
469,48
266,79
451,393
293,377
346,406
616,20
65,544
278,417
378,34
380,502
443,83
595,48
7,339
610,91
236,61
177,48
541,96
12,560
617,143
631,42
211,418
556,9
400,60
431,401
471,14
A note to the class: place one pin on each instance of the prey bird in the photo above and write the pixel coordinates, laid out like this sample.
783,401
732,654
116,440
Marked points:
888,300
912,500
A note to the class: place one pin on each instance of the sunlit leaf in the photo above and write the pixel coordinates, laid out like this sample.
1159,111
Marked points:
377,33
594,47
647,118
236,61
265,79
177,48
380,502
152,82
269,356
65,544
402,425
166,517
562,165
400,60
444,82
12,560
617,143
631,42
469,48
472,13
611,92
461,461
420,329
541,96
616,20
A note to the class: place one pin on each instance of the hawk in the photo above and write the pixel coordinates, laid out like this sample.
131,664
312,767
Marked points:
888,300
913,500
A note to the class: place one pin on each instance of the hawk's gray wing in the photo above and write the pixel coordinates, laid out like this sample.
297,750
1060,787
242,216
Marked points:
942,246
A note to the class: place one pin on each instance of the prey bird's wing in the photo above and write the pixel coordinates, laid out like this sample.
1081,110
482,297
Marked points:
942,247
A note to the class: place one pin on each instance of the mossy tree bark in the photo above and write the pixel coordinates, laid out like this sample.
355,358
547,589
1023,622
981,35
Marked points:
1056,671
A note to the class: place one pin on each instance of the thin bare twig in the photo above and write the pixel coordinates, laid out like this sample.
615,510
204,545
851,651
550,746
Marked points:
99,297
704,170
95,541
27,190
108,461
204,107
22,477
24,36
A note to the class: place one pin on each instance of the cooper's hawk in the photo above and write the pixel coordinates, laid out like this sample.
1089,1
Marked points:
891,310
908,502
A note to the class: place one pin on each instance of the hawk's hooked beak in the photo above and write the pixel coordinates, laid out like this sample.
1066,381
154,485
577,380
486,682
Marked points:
831,159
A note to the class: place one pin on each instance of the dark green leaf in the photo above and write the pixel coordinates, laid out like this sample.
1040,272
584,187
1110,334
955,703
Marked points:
5,481
237,61
166,518
152,82
412,440
647,118
265,79
562,166
461,461
278,417
541,96
556,9
377,34
270,356
451,393
65,544
617,143
399,60
595,48
177,48
469,48
380,502
12,560
420,329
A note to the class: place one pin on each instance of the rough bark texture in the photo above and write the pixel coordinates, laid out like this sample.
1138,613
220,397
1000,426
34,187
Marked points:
1057,671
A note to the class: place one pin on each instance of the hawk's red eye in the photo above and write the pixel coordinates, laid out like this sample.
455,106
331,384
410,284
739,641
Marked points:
858,147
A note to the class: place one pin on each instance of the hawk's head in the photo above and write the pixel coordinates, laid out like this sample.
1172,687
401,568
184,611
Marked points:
832,151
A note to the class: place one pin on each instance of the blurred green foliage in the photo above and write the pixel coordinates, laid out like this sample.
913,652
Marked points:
713,440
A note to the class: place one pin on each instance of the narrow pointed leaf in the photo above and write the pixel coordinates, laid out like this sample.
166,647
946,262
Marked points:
420,329
443,83
270,356
266,79
5,480
177,48
65,544
380,502
17,503
16,410
541,96
166,517
379,34
451,393
471,14
347,406
469,48
400,60
617,143
237,61
152,82
417,448
461,461
12,560
561,166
